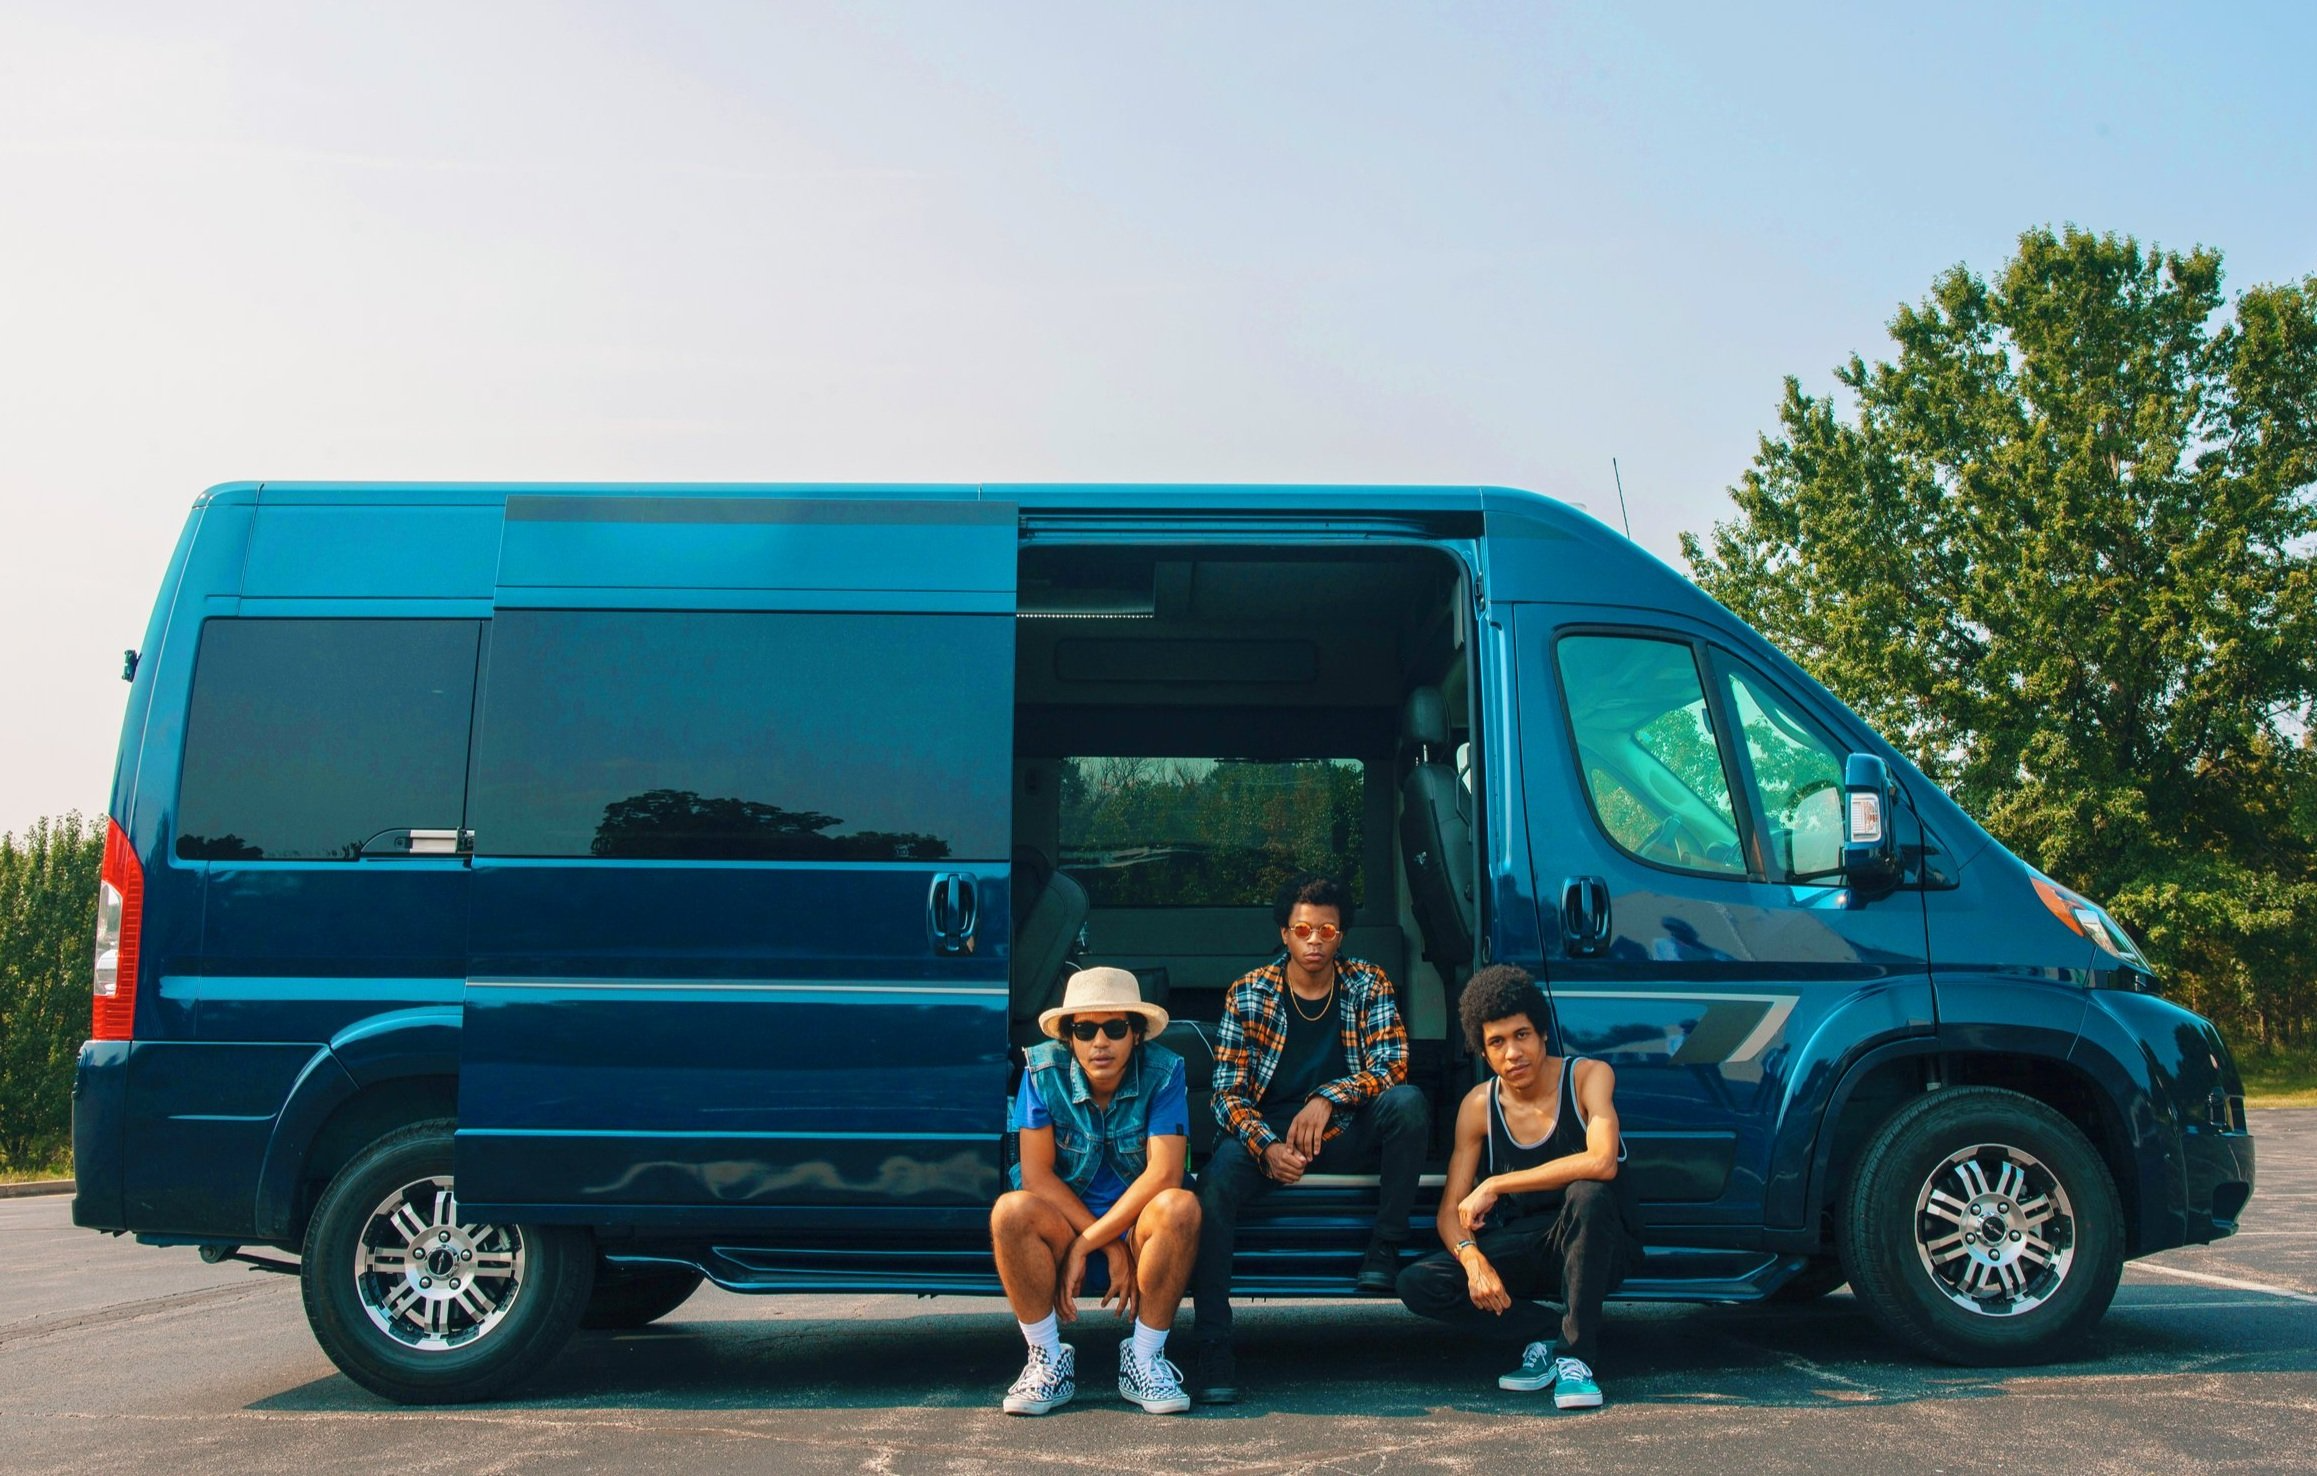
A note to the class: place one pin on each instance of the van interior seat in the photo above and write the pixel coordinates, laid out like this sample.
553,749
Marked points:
1436,832
1049,910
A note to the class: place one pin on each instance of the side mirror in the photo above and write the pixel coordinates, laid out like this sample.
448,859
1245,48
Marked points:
1870,849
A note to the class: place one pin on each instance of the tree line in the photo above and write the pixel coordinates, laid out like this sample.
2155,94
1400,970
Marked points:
48,899
2060,547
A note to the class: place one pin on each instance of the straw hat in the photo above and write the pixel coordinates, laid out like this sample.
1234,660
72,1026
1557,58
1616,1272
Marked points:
1099,992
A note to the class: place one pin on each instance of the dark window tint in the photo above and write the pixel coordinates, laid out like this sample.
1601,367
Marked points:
308,739
692,736
1646,742
1188,832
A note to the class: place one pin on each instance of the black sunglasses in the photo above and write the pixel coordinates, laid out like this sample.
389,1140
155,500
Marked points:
1088,1029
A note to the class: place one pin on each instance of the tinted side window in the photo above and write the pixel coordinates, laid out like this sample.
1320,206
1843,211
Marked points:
1797,779
713,736
1646,742
1197,832
307,738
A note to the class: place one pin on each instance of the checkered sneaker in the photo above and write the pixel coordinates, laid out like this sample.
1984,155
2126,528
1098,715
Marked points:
1046,1382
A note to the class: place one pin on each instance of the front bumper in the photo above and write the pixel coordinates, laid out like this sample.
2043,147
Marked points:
2217,1173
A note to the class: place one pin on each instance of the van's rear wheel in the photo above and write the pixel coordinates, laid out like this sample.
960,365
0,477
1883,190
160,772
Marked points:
416,1302
625,1298
1982,1228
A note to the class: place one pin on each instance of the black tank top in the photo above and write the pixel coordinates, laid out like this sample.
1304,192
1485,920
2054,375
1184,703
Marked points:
1507,1154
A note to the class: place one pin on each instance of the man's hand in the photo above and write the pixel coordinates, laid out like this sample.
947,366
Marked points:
1121,1277
1283,1163
1309,1130
1472,1210
1483,1285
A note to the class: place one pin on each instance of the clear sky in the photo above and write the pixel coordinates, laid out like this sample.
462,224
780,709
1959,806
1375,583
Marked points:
958,242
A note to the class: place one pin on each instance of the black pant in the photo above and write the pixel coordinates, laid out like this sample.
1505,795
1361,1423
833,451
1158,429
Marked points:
1395,1128
1577,1257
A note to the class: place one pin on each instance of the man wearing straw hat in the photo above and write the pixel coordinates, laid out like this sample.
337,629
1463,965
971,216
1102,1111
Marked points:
1104,1123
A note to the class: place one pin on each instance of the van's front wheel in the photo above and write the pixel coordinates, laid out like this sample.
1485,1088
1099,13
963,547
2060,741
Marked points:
1982,1228
416,1302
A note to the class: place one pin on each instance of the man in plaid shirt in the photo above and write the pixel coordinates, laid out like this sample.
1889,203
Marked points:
1310,1077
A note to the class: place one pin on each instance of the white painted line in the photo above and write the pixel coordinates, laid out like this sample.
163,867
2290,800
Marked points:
2228,1281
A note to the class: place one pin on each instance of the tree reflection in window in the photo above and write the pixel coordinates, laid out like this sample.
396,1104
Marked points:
677,824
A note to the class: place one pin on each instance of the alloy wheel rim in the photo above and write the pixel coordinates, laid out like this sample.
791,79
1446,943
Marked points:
429,1279
1995,1230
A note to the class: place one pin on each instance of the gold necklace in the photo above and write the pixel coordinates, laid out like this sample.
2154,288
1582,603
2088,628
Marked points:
1297,1000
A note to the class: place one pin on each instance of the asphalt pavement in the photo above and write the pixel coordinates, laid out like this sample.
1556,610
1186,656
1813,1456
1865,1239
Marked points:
116,1358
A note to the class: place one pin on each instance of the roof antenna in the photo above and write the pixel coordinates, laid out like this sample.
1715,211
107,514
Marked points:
1621,512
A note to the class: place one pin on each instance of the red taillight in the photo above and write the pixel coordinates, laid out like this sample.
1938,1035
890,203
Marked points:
120,912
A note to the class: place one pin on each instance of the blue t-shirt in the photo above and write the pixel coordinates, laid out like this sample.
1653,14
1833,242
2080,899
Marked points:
1170,1117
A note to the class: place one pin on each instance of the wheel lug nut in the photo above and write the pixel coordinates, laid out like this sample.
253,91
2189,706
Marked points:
425,1282
2015,1235
454,1283
445,1237
466,1255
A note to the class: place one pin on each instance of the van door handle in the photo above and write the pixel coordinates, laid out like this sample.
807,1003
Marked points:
1585,915
950,912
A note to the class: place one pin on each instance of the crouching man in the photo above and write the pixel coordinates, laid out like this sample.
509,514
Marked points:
1533,1206
1104,1118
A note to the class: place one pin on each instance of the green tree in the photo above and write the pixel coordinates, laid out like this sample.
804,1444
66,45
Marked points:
2059,549
48,898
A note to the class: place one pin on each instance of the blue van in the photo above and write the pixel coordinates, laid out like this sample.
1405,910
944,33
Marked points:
525,902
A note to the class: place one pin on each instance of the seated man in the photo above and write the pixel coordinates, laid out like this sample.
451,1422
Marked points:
1310,1071
1104,1121
1549,1217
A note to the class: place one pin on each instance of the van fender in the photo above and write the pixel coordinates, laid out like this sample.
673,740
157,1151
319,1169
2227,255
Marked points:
2137,1071
383,1048
1871,1025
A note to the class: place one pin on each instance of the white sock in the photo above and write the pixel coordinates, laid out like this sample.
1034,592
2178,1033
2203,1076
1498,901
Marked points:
1045,1333
1149,1342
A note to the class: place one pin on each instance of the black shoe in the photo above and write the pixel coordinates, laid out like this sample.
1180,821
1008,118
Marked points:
1380,1269
1217,1379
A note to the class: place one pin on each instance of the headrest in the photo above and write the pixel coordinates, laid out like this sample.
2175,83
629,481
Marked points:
1425,718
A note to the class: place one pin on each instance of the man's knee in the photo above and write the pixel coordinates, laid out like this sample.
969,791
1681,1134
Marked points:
1403,1109
1590,1203
1230,1178
1173,1215
1424,1285
1015,1216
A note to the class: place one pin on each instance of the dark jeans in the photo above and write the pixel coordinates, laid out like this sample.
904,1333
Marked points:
1576,1257
1388,1136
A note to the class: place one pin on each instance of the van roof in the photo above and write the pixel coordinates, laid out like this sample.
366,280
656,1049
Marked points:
1091,496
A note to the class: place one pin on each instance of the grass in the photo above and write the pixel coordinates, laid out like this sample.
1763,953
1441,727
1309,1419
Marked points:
59,1167
2286,1078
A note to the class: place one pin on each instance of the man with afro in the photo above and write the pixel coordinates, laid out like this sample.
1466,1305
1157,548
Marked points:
1534,1206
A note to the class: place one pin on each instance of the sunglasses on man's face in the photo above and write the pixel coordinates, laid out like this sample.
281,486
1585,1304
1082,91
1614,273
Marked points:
1088,1029
1325,932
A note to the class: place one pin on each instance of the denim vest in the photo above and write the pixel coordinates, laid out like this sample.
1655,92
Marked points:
1087,1136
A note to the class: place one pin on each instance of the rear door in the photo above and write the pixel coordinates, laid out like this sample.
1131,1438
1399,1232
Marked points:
741,826
1691,794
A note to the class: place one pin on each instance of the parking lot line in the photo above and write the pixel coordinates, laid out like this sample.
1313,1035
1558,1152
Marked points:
2228,1281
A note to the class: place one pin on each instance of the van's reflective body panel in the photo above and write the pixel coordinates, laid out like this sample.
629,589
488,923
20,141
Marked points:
788,1066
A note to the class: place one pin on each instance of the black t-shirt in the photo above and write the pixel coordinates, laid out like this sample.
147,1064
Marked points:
1313,1056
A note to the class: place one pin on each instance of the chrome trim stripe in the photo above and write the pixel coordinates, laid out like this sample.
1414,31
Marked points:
1776,1009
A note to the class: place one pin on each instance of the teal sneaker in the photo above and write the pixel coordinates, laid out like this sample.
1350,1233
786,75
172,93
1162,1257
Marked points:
1573,1386
1536,1371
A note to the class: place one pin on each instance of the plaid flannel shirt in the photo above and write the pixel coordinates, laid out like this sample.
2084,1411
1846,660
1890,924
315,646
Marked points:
1255,1032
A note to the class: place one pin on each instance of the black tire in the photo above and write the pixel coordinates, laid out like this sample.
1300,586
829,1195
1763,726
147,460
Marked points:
1981,1228
1823,1275
472,1311
625,1299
